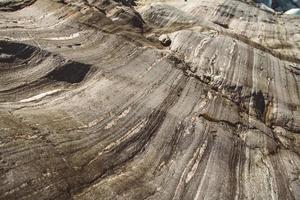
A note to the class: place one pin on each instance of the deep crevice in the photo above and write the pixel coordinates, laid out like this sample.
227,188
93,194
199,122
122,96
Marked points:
73,72
12,51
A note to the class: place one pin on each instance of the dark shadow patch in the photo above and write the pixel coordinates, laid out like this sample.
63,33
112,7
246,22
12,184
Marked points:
13,5
71,73
259,105
222,24
128,2
11,51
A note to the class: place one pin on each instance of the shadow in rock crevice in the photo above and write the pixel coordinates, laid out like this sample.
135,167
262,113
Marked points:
13,52
14,5
72,72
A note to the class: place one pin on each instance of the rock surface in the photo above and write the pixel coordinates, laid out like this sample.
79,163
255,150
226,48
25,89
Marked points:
281,5
293,11
173,100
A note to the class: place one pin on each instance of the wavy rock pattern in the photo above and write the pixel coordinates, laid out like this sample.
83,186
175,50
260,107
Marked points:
174,100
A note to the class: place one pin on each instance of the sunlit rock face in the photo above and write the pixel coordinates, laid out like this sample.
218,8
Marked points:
172,100
293,11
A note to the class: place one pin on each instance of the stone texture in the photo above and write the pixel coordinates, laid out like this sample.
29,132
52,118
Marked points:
167,100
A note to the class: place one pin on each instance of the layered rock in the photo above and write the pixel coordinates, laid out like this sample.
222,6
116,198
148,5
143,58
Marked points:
173,100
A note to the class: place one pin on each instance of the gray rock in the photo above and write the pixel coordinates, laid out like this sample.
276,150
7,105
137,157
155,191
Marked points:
165,40
92,106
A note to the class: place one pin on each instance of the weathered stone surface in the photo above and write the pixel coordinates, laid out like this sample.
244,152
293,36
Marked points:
168,100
